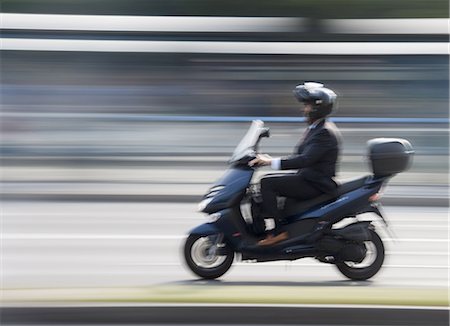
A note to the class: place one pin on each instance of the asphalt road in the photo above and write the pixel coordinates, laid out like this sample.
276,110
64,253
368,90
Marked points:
66,245
223,315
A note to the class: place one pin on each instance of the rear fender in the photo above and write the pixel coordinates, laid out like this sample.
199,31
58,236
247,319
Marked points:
372,208
358,231
376,208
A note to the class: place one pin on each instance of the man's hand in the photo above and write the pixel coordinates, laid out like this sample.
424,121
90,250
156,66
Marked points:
261,160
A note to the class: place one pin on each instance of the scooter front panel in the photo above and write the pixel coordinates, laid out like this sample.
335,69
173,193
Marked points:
232,185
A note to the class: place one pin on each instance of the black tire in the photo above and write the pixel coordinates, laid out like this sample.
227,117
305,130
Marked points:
203,265
358,273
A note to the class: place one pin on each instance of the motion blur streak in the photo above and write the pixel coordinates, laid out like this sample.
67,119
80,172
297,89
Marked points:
220,24
113,244
329,48
149,23
387,26
112,127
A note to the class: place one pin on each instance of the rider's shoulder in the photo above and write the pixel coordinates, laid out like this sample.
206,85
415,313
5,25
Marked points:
330,129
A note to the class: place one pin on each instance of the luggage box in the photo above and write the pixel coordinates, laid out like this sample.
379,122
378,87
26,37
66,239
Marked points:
389,156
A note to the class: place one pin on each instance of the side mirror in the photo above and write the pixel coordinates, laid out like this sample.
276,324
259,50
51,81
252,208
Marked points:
265,133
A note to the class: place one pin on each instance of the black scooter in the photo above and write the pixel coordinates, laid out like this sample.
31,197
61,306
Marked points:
356,249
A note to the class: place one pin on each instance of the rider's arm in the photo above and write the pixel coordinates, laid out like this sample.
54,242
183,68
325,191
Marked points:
318,146
275,164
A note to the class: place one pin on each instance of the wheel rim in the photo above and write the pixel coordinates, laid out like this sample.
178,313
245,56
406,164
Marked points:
203,256
369,259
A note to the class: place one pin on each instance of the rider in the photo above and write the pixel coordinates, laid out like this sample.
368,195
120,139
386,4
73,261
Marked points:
314,158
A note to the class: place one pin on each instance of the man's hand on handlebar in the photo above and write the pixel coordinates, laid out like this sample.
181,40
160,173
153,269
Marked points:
261,160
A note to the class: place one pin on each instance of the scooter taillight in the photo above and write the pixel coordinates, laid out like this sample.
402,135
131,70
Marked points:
375,197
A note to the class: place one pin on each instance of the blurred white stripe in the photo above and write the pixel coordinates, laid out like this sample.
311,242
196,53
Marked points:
289,264
387,26
325,48
219,24
149,23
69,236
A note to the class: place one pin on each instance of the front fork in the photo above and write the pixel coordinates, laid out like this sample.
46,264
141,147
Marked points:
217,244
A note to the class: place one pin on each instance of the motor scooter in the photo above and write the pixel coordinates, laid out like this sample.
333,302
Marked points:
314,226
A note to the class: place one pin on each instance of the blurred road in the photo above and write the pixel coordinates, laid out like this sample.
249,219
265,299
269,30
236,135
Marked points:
52,245
224,315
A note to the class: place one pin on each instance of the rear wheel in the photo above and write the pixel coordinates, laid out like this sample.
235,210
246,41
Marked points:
370,265
206,258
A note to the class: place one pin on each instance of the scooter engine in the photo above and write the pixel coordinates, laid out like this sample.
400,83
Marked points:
341,250
354,252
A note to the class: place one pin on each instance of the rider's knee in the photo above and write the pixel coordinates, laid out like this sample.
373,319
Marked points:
265,182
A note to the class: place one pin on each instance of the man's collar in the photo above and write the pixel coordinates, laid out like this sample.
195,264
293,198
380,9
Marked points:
316,123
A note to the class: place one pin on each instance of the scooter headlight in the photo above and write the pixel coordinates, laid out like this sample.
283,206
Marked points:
205,202
214,191
214,217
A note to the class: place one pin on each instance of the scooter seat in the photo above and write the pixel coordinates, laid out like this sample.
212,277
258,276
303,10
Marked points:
293,206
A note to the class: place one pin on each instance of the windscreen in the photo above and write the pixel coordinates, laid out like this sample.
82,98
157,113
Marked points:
247,145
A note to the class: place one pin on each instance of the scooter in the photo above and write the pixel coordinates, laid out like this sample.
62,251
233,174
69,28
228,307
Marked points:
313,225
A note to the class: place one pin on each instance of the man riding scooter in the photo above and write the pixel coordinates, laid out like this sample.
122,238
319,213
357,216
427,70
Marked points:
308,227
314,158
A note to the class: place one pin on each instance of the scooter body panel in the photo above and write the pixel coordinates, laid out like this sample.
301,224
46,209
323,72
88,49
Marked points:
231,225
348,204
232,186
205,229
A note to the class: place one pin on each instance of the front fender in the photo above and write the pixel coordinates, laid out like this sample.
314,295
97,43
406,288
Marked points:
205,229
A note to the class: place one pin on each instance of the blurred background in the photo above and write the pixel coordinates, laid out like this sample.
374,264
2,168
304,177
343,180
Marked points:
117,115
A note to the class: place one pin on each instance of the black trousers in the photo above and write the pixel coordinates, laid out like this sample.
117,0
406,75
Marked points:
284,185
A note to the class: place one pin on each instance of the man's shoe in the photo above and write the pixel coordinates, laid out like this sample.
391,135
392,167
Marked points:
271,240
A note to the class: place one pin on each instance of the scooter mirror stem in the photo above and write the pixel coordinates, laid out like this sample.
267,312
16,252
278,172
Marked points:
265,133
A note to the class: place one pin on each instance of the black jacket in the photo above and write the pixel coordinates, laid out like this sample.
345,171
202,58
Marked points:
316,157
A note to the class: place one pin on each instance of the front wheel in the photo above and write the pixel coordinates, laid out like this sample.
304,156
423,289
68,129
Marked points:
370,265
205,257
